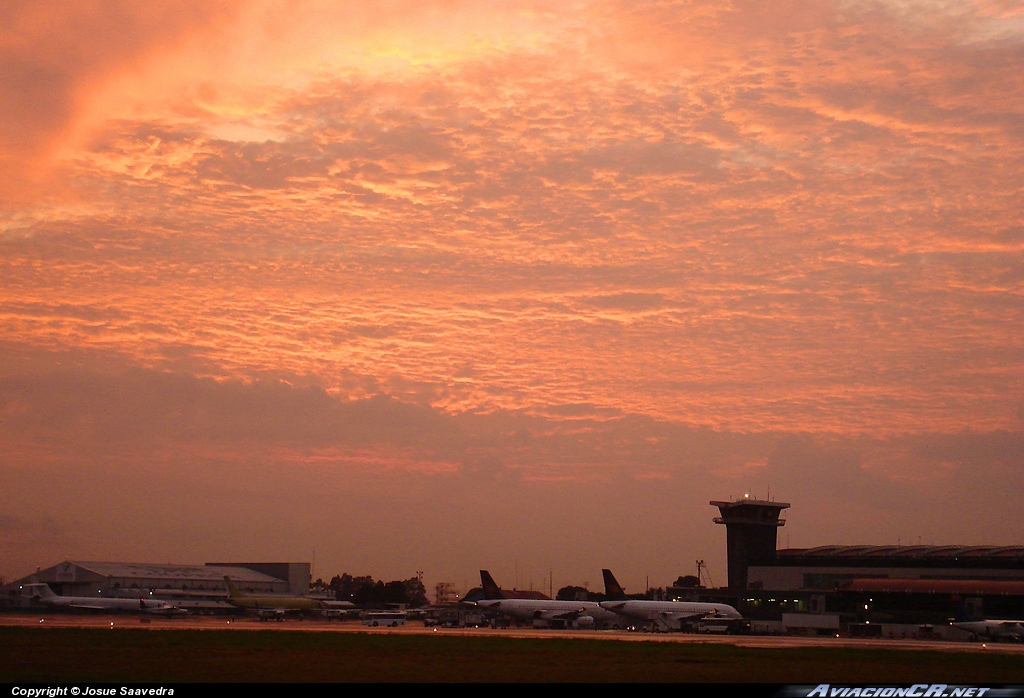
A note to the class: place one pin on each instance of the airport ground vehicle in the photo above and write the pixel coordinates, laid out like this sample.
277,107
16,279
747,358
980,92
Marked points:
388,619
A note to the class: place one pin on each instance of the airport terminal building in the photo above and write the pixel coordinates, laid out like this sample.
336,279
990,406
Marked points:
850,587
755,562
834,566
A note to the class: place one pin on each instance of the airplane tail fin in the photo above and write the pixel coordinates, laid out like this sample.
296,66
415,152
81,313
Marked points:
960,612
612,589
233,591
41,591
491,590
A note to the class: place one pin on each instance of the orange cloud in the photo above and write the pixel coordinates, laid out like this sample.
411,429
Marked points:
523,242
52,57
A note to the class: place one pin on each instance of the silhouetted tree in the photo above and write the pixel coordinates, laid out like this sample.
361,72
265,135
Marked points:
572,593
364,591
415,592
656,593
346,586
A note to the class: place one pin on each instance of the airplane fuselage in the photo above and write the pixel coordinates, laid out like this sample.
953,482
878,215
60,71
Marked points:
275,603
267,606
993,629
551,611
671,614
44,595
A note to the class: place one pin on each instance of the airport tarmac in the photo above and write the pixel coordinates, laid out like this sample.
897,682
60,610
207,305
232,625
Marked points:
115,622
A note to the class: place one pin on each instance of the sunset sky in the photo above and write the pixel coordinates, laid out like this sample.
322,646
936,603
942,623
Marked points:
439,285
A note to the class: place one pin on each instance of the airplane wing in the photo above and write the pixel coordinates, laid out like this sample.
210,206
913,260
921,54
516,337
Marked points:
542,614
337,604
168,610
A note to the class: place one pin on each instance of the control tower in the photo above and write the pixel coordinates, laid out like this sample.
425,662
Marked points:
751,527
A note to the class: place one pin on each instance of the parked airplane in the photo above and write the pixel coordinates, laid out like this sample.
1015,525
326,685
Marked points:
665,615
988,628
267,607
331,610
42,593
546,611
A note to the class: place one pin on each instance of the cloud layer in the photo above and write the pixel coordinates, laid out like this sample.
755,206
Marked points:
604,243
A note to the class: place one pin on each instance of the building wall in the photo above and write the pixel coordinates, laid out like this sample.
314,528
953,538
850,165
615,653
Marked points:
791,578
295,574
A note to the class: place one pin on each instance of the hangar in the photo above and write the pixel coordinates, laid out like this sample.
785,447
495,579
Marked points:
203,584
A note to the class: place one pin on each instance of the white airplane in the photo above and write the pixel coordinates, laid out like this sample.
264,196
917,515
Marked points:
42,593
544,611
665,615
987,628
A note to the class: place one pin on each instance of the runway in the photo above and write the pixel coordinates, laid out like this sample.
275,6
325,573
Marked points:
115,622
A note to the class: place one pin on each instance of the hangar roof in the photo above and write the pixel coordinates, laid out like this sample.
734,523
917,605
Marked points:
960,557
986,587
143,570
193,572
992,552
